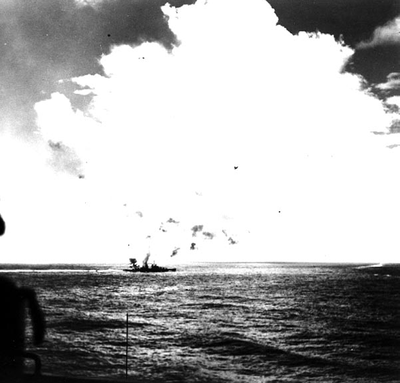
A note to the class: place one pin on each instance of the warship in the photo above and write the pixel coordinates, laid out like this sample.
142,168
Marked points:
145,268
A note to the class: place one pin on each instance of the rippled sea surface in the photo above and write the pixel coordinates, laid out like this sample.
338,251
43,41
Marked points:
221,322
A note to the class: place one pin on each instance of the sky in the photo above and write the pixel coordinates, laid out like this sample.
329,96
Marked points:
219,130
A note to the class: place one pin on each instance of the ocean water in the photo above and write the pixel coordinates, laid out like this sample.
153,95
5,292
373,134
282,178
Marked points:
219,322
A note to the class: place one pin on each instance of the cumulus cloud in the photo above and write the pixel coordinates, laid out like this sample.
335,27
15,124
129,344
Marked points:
388,34
394,100
393,82
165,129
36,51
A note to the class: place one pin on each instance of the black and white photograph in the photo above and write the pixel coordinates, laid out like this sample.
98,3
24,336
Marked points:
200,191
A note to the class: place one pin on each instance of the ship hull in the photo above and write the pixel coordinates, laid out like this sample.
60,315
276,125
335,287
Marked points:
149,271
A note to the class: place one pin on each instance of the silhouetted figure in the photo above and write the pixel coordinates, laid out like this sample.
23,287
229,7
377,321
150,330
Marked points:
2,226
12,325
13,300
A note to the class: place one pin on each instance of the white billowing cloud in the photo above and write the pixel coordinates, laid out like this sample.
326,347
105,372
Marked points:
393,82
165,130
394,100
387,34
30,209
63,125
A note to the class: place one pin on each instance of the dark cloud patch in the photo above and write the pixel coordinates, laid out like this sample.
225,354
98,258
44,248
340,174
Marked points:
232,241
208,235
42,41
171,220
353,21
123,22
395,128
375,63
196,229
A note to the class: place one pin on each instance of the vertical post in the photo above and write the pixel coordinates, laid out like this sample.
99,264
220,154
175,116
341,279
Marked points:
126,354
